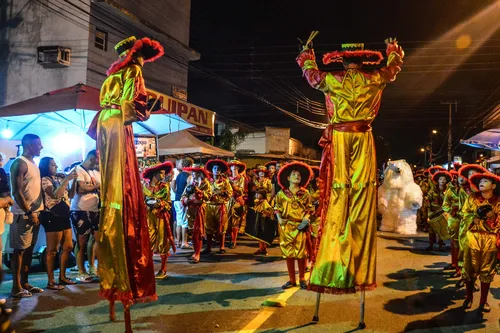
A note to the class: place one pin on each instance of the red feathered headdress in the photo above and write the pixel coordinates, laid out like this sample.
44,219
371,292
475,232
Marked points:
354,53
149,173
149,49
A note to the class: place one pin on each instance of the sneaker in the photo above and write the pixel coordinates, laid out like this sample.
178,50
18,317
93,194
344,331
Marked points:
161,275
288,285
303,285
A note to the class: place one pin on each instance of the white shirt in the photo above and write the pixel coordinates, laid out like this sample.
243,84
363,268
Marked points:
32,188
88,202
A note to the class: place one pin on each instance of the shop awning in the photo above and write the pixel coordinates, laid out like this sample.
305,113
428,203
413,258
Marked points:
184,143
489,139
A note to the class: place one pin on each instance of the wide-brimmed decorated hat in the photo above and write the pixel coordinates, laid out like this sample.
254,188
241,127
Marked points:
305,171
476,178
464,170
454,174
268,164
315,170
354,52
149,49
262,168
222,165
432,170
150,172
241,166
426,173
197,168
457,166
441,173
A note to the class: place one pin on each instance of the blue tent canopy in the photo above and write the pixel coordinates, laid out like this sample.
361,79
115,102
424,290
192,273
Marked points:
489,139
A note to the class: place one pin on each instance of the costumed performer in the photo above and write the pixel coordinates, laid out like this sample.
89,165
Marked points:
272,167
216,210
315,192
346,260
263,183
465,172
293,208
159,205
261,224
481,214
438,227
237,204
125,257
195,197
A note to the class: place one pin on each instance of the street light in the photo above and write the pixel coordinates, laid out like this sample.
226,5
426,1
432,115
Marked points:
434,132
423,150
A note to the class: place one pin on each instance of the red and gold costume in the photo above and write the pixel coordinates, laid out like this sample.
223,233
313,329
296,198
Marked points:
435,212
237,207
125,256
263,183
346,247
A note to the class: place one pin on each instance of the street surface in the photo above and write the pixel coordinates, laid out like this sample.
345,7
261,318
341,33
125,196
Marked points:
224,294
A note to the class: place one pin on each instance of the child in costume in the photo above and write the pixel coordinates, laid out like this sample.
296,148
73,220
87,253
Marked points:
194,198
216,211
263,184
261,224
293,209
159,204
237,204
481,215
435,198
125,257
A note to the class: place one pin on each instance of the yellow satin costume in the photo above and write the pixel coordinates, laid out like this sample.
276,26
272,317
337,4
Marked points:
216,211
346,249
293,208
236,207
157,215
480,251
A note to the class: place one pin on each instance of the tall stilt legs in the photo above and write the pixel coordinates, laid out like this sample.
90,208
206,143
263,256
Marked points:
128,322
362,324
112,314
316,313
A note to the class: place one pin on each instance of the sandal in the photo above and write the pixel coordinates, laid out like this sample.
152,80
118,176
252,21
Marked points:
222,251
54,286
289,285
35,290
66,282
21,294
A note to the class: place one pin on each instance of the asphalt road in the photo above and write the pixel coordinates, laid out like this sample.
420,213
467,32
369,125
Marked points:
224,293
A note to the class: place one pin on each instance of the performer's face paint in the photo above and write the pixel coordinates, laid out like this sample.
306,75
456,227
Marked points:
262,174
234,169
278,166
294,177
442,181
462,181
486,185
216,170
161,175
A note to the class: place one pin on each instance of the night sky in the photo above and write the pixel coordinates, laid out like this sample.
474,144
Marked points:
249,47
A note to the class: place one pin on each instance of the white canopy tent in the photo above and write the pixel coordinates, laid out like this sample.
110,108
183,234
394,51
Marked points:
184,143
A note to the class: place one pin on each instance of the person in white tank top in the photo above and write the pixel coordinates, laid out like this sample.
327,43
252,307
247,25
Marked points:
28,202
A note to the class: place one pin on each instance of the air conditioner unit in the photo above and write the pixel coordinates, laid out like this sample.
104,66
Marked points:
53,56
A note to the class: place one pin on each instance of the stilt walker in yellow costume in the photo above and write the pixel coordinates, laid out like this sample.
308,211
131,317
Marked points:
159,204
481,214
125,257
216,210
345,257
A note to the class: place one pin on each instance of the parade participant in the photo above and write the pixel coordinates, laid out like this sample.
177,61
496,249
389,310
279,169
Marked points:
435,198
261,224
159,204
194,198
481,215
263,184
237,204
348,166
293,209
216,211
273,176
179,184
465,172
125,260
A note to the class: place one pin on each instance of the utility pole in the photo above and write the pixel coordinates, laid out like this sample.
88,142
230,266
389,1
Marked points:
450,153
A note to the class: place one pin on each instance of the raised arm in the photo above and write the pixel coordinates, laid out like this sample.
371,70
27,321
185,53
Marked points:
134,97
307,62
395,56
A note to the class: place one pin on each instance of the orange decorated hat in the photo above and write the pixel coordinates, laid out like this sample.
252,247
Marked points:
149,49
436,168
150,172
197,168
241,166
441,173
354,52
211,163
305,171
476,178
262,168
464,170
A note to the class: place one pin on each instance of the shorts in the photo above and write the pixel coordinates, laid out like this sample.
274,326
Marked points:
23,233
85,223
180,214
53,223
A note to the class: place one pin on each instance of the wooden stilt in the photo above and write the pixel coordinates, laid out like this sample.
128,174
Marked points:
112,314
128,322
316,314
362,324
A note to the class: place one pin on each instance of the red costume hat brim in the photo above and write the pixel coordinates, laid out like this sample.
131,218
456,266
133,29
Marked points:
266,171
210,165
315,170
197,169
150,172
441,173
305,171
241,166
268,164
476,179
464,170
434,169
150,50
367,57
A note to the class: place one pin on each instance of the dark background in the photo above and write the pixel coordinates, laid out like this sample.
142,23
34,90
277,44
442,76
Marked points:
249,48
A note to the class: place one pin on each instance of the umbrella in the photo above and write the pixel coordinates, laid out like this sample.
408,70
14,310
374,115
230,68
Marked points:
489,139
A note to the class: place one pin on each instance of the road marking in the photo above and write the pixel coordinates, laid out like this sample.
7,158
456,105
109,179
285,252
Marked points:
268,311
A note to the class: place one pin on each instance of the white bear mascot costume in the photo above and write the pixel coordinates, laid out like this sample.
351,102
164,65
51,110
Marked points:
399,199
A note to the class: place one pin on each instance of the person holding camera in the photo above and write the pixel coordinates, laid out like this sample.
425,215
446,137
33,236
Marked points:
293,207
481,216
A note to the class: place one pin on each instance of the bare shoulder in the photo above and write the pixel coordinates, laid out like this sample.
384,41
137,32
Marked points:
18,168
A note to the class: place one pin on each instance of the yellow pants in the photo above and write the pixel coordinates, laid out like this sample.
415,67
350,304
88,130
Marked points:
158,236
216,219
480,257
292,241
453,227
236,215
